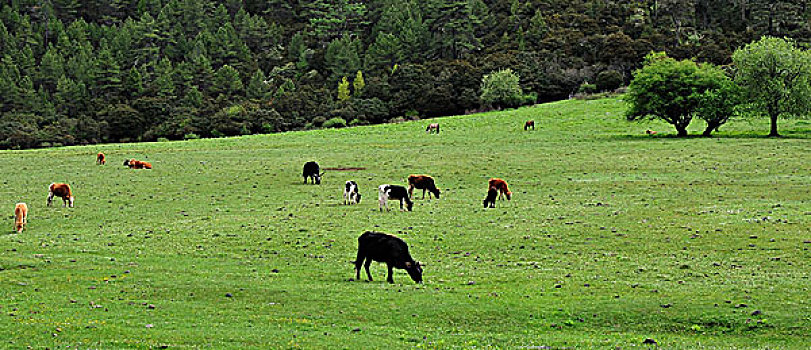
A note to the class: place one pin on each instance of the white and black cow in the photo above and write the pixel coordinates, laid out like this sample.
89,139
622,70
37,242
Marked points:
393,192
311,170
351,194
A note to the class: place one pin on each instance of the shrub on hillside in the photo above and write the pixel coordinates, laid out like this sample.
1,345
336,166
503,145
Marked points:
501,89
335,123
608,80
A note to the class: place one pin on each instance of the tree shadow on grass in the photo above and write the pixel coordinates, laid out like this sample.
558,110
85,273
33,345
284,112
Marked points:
789,134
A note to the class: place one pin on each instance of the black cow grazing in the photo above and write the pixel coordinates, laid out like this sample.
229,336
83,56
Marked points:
422,182
311,170
388,249
396,192
351,194
491,197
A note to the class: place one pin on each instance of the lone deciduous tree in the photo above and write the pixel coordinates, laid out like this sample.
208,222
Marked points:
775,75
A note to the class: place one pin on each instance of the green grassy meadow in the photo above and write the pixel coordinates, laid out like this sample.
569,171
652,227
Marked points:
611,237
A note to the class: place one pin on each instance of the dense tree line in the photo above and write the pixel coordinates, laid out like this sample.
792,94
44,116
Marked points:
77,72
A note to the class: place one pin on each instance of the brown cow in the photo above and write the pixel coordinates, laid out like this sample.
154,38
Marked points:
650,132
100,159
60,190
501,186
137,164
432,127
422,182
529,124
20,217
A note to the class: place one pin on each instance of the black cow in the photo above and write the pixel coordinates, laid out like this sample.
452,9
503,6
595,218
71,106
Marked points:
396,192
351,194
491,197
388,249
311,170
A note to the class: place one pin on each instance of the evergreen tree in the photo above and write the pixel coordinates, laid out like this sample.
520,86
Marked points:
258,89
342,58
227,82
108,77
51,68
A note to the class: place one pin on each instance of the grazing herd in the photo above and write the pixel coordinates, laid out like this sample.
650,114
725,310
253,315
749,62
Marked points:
385,248
63,190
372,246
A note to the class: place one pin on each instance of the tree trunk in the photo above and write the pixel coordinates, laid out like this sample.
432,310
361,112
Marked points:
773,132
681,131
708,131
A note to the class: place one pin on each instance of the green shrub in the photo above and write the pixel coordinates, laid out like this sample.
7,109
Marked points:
335,123
608,80
319,121
163,139
191,136
587,88
501,89
356,122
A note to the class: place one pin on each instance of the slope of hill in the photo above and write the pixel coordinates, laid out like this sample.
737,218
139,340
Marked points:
611,237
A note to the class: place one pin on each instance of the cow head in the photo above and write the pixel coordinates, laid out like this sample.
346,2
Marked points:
414,270
70,200
436,192
317,178
126,162
357,198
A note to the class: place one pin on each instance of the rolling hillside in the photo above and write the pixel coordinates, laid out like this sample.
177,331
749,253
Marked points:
612,237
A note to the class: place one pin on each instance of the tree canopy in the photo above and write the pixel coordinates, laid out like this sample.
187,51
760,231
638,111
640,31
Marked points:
775,74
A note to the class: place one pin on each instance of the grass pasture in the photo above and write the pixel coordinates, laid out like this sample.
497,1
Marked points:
612,237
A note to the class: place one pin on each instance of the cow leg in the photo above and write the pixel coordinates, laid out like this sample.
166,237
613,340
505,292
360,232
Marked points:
50,198
389,277
358,263
366,266
423,194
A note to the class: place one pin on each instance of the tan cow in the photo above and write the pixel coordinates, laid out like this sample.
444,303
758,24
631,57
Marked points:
20,217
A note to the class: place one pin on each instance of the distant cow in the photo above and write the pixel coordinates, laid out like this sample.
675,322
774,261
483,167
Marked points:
529,124
60,190
311,170
100,159
491,197
422,182
433,127
388,249
351,194
501,186
650,132
393,192
137,164
20,217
